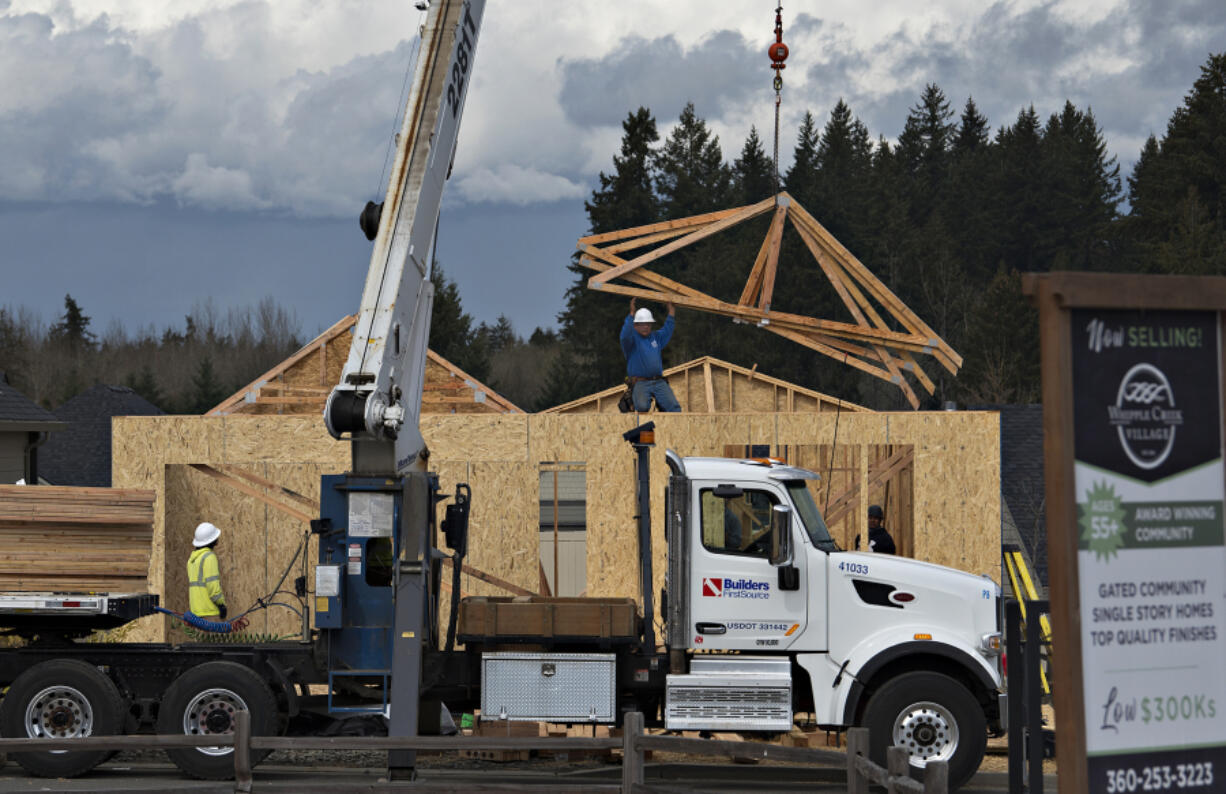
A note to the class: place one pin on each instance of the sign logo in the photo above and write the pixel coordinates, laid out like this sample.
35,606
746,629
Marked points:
1145,416
723,587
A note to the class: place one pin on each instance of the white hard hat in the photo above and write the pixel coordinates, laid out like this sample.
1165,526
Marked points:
643,316
206,533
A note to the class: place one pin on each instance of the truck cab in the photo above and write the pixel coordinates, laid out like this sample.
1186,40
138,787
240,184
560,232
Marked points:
910,649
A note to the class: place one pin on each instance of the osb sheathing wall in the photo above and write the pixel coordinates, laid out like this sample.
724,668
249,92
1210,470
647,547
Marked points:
956,498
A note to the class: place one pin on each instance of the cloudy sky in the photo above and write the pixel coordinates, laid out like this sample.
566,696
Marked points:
155,154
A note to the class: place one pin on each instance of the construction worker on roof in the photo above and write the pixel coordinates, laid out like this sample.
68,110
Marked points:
205,598
644,366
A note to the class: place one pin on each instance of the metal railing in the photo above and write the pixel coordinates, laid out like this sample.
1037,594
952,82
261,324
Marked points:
634,743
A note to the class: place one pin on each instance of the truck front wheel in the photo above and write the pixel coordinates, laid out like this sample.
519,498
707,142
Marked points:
934,717
204,701
61,699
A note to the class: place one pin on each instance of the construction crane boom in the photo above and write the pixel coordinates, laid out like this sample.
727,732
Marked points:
378,400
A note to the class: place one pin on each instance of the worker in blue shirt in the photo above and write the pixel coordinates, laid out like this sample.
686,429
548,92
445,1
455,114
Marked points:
644,367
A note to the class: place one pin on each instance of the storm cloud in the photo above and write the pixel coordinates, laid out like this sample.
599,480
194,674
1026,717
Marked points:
281,114
659,73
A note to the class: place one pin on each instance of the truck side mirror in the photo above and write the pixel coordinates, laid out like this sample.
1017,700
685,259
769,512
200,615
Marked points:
781,535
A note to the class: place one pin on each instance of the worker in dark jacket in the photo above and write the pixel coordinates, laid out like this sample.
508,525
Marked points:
644,366
879,539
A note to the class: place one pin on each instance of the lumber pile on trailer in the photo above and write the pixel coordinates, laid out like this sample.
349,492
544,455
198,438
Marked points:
74,539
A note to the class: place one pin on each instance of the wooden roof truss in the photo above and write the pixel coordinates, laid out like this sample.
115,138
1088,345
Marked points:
884,348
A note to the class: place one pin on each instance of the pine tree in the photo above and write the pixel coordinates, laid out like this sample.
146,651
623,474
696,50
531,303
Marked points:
1020,195
999,367
452,334
926,140
972,135
969,209
626,197
145,384
1177,190
801,179
844,164
207,392
590,321
691,177
1082,192
753,173
73,328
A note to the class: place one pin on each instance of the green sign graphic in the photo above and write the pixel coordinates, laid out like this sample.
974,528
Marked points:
1102,522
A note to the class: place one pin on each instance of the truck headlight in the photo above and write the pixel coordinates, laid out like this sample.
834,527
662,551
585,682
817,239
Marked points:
991,644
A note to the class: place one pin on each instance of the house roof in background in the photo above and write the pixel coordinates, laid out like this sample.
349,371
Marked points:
21,414
81,454
1021,478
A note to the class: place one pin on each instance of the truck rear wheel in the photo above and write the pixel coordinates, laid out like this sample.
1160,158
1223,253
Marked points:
934,717
61,699
203,701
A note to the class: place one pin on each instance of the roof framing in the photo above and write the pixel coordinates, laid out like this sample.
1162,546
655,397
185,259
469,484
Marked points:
706,367
269,388
883,339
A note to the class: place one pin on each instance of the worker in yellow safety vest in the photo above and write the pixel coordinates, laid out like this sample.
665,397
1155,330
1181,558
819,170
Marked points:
204,575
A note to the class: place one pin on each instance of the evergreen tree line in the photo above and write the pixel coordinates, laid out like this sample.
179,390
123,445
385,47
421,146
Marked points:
192,368
186,369
948,217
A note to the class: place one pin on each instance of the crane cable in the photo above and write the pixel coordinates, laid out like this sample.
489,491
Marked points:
778,52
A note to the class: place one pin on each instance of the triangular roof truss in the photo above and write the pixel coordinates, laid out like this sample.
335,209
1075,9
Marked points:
869,343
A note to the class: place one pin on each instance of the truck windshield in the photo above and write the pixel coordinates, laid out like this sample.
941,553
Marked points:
810,515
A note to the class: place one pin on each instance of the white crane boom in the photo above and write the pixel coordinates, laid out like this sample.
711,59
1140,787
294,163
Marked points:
378,400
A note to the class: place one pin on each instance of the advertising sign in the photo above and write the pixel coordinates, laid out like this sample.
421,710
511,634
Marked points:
1151,563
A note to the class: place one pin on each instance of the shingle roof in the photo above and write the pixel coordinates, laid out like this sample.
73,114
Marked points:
16,407
81,454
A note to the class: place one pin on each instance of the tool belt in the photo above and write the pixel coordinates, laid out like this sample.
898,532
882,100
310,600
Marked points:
633,379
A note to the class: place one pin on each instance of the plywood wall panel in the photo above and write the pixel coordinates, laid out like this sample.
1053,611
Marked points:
583,438
486,437
284,534
251,439
612,545
503,529
957,487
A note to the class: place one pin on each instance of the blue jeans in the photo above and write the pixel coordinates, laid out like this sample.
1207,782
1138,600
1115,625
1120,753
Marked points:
645,390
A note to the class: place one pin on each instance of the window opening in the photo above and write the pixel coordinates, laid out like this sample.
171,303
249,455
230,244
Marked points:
563,528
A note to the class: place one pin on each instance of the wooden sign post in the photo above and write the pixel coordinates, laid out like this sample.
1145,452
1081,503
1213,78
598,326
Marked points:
1133,447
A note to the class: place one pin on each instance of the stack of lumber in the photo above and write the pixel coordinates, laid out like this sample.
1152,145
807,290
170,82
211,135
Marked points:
527,618
55,538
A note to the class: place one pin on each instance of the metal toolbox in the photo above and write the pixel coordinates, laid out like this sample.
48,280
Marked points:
549,687
731,693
